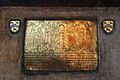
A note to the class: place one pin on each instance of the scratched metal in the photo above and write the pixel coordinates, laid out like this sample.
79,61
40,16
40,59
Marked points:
60,45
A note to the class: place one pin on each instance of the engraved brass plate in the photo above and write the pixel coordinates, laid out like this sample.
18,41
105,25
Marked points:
60,45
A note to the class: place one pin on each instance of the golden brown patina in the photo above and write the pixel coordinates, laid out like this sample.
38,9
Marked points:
61,45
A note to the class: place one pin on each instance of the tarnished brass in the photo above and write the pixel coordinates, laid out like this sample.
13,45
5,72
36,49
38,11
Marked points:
60,45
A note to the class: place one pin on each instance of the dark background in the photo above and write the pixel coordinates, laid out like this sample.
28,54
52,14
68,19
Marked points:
59,3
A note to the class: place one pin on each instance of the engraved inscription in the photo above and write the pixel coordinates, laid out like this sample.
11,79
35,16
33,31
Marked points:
60,45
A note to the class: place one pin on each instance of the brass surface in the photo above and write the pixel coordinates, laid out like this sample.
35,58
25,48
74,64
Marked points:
60,45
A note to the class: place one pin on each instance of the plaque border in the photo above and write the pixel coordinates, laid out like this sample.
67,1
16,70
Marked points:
22,40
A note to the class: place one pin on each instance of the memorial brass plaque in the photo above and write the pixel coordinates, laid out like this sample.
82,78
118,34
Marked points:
60,45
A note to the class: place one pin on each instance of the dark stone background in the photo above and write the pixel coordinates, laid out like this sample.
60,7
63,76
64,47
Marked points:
58,3
11,51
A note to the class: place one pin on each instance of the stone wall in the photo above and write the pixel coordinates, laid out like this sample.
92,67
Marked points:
10,45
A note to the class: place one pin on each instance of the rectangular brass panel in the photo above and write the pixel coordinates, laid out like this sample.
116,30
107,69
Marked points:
60,45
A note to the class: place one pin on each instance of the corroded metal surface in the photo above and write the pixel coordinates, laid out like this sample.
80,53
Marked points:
60,45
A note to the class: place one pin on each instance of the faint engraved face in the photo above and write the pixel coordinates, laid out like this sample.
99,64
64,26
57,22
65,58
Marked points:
108,26
14,26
